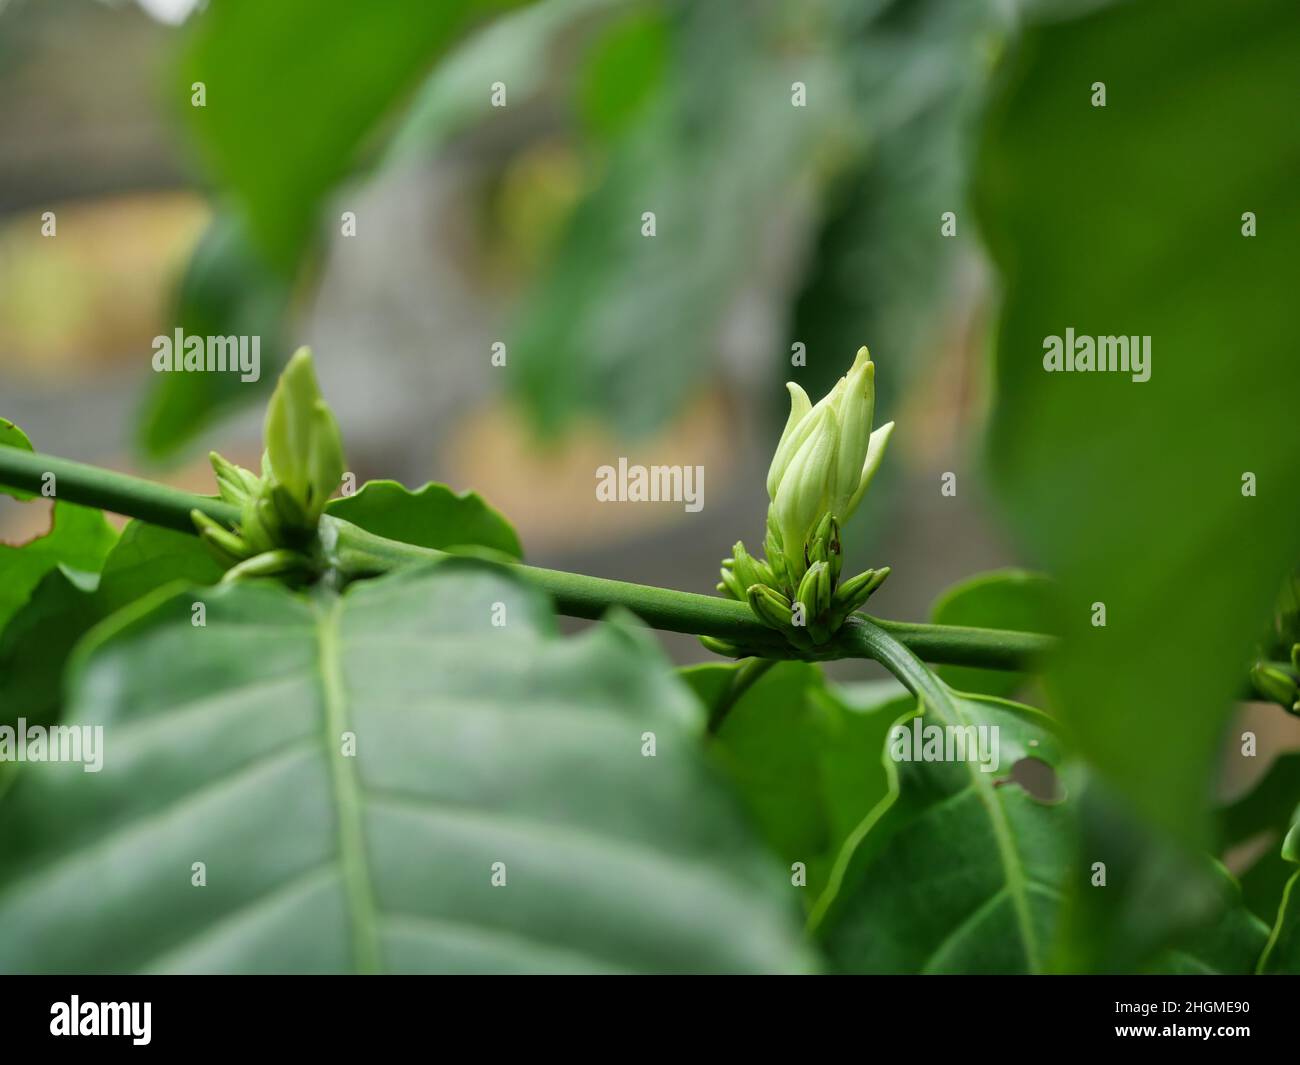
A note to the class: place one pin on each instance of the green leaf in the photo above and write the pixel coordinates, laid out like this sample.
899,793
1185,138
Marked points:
1267,810
1127,220
1282,953
432,516
1271,805
294,89
453,97
915,83
620,325
36,644
1004,599
1133,893
623,68
806,763
475,744
78,540
1230,945
957,870
227,290
12,436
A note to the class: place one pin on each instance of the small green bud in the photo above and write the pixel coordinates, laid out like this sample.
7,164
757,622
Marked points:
234,483
278,563
1274,684
855,409
825,546
1291,843
226,545
303,448
854,592
771,607
749,570
804,493
732,585
815,591
295,527
721,647
775,552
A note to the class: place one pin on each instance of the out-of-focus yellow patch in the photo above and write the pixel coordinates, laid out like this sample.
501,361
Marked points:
98,291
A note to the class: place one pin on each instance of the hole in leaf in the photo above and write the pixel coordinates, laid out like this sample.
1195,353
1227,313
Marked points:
23,521
1037,778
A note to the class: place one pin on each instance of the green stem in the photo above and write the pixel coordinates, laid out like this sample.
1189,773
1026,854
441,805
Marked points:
360,553
117,492
873,640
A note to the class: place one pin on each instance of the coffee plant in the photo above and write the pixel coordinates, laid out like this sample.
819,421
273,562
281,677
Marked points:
300,725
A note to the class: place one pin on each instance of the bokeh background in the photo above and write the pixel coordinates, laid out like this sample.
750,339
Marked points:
776,225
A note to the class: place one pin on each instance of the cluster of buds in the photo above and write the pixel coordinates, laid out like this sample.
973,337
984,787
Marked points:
824,463
1278,682
280,510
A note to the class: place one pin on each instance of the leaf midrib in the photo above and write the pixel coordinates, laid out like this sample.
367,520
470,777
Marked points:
1017,886
346,789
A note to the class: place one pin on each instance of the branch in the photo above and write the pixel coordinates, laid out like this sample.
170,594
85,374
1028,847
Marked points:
577,595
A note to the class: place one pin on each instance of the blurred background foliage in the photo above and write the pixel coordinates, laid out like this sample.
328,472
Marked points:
779,229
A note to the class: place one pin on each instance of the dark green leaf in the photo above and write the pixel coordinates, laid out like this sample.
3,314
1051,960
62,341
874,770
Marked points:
1282,954
293,90
1270,805
623,325
1133,892
475,744
1229,945
227,291
807,764
453,97
960,870
1263,815
621,71
1127,220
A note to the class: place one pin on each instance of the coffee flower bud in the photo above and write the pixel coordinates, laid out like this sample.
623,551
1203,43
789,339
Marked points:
303,447
825,459
821,469
280,511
